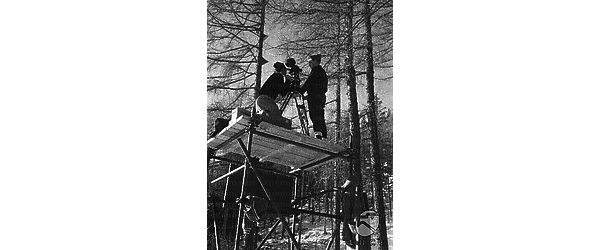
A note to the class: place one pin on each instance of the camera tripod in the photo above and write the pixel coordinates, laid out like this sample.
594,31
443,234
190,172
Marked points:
300,107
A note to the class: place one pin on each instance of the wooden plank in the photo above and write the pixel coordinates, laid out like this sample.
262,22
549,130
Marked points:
291,134
302,163
230,131
277,145
272,149
286,151
288,155
298,137
233,147
307,152
281,159
276,155
278,121
274,144
255,143
258,149
284,158
214,141
218,140
240,124
284,148
243,121
290,162
283,151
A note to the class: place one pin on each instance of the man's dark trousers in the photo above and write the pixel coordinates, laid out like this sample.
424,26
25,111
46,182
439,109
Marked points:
316,111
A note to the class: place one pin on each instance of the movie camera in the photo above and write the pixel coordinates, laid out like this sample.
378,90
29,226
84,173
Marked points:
294,71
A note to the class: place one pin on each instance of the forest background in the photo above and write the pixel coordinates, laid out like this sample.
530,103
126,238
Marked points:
355,39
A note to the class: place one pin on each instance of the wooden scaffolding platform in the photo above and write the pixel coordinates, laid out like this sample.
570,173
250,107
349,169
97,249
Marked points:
261,141
272,143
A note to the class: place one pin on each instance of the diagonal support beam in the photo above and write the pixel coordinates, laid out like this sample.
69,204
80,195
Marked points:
233,137
240,217
277,172
313,195
262,242
315,163
225,159
210,152
262,185
245,151
215,225
330,242
279,215
228,174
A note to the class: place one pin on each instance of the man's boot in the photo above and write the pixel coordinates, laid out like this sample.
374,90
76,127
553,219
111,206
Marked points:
318,135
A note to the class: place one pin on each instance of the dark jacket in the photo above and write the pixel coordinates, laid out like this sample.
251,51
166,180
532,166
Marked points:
275,85
316,81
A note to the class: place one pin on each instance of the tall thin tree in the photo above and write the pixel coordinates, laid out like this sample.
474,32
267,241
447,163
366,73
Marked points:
374,134
355,137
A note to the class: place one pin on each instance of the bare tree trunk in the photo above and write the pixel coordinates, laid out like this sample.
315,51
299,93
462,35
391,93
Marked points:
249,240
336,229
372,115
352,97
326,200
209,154
261,40
390,203
338,127
363,243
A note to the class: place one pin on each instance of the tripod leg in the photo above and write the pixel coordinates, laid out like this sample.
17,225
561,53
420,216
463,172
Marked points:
301,108
302,126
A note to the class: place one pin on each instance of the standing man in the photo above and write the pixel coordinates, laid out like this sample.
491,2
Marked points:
316,86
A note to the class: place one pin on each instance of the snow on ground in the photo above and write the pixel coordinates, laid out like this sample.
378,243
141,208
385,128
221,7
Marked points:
314,237
390,234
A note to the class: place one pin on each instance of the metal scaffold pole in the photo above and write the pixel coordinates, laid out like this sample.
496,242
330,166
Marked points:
267,193
259,62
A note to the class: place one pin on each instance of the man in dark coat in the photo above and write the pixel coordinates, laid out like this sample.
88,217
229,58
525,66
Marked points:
349,210
316,87
277,84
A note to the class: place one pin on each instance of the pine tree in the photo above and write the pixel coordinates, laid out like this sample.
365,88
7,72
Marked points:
373,130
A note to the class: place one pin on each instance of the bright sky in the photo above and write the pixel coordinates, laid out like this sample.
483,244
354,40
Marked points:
383,89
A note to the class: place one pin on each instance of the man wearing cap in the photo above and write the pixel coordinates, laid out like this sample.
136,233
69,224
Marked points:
316,87
277,84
